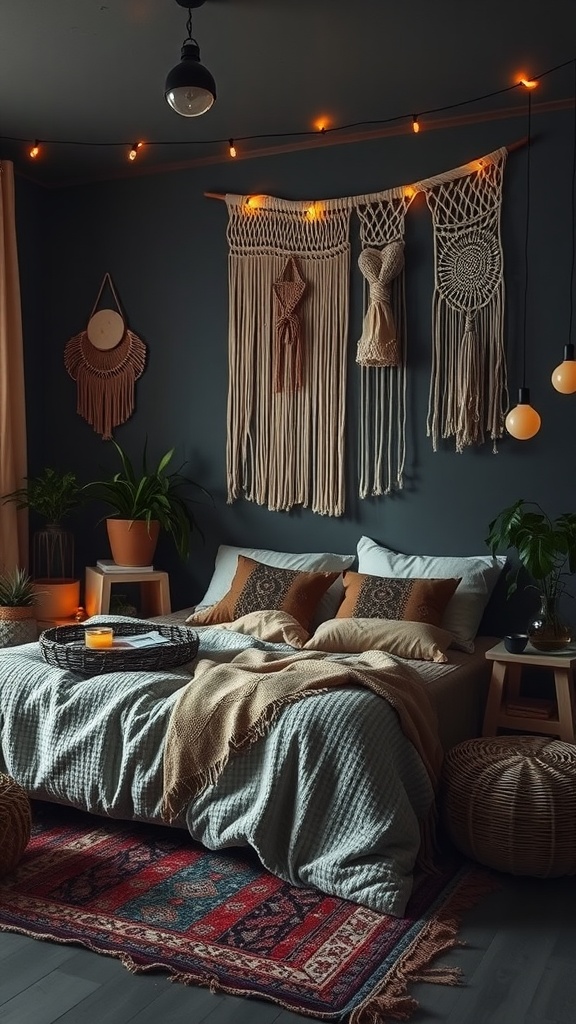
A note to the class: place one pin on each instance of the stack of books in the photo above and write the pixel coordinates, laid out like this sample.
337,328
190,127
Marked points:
108,565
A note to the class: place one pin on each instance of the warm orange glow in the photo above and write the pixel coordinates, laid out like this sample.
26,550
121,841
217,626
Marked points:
314,211
321,124
409,191
255,202
523,422
564,377
232,147
97,639
528,83
34,151
415,124
134,151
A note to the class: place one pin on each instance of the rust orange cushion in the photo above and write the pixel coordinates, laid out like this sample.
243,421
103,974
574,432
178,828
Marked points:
380,597
258,587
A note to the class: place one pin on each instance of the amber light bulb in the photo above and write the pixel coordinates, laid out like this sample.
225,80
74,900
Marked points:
523,422
564,376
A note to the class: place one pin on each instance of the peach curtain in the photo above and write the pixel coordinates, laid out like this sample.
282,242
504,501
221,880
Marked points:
13,525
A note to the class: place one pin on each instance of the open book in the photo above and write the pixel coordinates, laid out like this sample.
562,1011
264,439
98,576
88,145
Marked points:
140,640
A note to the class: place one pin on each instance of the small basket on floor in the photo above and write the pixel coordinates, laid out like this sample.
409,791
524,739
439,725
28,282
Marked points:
509,802
64,647
15,822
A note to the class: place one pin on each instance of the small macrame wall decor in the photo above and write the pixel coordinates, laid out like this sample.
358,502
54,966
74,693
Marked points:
105,360
468,386
288,358
381,350
289,269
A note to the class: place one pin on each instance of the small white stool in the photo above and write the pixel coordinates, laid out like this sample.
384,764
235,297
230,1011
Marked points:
154,590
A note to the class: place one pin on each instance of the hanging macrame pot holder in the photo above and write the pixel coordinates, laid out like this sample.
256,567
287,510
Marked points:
105,360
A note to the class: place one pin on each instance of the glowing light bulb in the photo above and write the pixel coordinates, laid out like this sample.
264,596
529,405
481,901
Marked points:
409,191
134,151
34,151
415,124
523,422
231,147
564,376
529,83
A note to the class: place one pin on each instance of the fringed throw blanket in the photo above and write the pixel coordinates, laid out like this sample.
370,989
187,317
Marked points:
468,392
227,707
288,329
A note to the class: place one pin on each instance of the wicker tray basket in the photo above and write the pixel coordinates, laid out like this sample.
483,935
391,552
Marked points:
64,647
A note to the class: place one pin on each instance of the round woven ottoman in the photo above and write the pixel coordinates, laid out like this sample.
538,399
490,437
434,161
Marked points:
15,822
510,802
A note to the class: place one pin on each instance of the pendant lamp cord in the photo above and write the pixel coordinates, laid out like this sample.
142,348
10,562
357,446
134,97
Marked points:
529,149
189,26
572,281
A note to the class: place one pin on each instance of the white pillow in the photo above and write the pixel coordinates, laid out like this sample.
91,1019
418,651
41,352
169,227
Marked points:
227,563
464,610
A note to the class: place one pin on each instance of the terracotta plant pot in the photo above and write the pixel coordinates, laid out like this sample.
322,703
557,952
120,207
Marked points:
132,541
56,598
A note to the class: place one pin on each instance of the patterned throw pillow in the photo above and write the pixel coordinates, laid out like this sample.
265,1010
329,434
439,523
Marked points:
379,597
259,587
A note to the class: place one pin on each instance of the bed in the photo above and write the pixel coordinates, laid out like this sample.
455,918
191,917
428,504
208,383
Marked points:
331,794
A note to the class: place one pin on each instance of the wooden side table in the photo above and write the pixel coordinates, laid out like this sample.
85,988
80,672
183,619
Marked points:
154,590
505,708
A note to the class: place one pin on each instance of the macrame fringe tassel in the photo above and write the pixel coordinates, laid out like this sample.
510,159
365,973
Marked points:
438,936
468,390
378,345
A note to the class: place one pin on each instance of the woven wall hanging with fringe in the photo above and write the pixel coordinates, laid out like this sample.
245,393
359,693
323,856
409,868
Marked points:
468,385
289,267
105,360
381,350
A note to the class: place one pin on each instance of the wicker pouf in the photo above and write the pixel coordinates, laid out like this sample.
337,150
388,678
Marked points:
15,820
510,802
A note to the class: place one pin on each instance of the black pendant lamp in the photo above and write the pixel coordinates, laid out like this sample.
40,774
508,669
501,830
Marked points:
190,88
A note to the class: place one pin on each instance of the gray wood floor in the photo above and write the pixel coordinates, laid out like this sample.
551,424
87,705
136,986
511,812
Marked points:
519,967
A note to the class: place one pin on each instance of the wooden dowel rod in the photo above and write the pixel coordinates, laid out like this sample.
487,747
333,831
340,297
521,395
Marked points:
513,145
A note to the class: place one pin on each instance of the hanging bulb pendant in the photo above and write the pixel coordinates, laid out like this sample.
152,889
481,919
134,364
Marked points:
523,422
564,376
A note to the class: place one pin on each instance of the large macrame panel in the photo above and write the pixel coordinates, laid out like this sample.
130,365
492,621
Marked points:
285,438
382,426
468,386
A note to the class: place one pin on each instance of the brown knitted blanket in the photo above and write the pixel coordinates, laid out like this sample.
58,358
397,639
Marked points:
226,707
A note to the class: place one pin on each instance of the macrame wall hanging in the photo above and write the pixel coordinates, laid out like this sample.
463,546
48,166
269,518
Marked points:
105,360
289,267
381,350
468,387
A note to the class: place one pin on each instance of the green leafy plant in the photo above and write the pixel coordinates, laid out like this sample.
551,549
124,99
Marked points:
52,495
545,547
151,494
16,589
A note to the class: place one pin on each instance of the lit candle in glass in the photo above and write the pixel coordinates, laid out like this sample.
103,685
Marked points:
99,637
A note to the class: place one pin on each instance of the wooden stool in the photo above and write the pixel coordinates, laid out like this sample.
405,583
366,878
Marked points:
154,590
505,709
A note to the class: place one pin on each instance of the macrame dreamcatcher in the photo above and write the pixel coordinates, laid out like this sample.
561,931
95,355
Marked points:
381,350
105,360
468,388
289,265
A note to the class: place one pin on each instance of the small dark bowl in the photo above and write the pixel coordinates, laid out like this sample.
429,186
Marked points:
515,642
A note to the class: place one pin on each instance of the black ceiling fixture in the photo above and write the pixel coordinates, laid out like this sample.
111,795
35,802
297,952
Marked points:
190,88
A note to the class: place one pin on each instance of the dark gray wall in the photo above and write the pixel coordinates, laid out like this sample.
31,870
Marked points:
164,245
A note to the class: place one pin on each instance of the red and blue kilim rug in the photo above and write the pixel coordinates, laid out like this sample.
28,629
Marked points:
159,901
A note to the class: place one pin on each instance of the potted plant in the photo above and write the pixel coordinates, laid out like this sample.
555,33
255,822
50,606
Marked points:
546,549
17,613
53,496
144,503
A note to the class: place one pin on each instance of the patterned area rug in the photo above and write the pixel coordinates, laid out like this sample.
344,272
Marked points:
159,901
